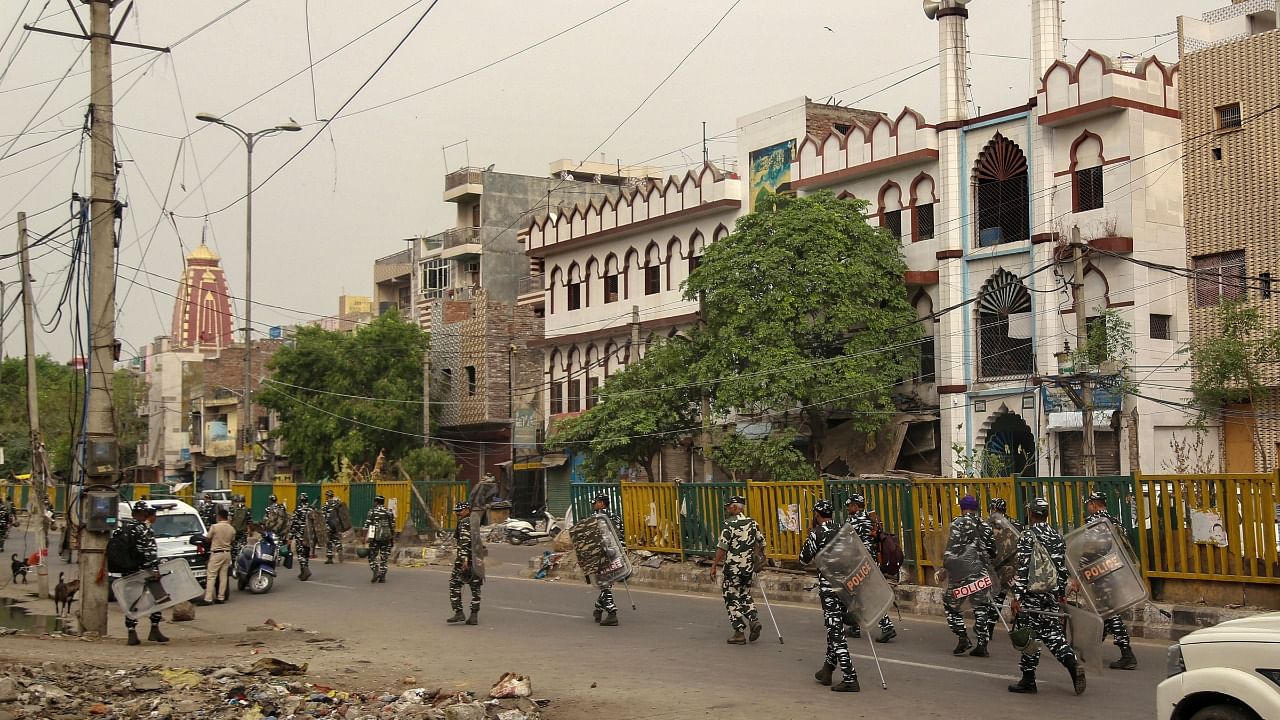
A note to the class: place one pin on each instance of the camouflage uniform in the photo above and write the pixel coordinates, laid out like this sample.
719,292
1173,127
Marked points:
739,539
208,511
1004,582
969,530
334,545
460,577
380,550
242,533
863,525
143,541
298,534
4,523
1047,628
1114,625
276,519
833,609
604,602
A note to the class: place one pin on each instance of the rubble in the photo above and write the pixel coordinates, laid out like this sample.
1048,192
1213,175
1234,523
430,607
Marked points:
54,691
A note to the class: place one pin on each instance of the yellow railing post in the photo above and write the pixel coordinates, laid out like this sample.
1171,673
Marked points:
651,516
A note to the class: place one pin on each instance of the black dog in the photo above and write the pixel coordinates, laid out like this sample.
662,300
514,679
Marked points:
63,594
19,567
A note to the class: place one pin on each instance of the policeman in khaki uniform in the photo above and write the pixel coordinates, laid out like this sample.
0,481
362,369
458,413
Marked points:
740,541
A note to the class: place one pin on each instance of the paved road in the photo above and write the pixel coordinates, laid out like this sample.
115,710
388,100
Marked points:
666,660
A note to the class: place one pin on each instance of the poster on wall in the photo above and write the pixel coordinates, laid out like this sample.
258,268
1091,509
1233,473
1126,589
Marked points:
1206,528
770,168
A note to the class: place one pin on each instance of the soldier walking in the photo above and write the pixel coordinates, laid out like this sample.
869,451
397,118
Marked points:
142,543
970,545
240,523
380,529
1006,568
463,572
740,542
606,612
338,519
856,506
276,518
1096,505
821,530
302,533
1039,592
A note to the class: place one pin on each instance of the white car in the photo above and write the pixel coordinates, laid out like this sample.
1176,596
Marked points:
175,523
1230,671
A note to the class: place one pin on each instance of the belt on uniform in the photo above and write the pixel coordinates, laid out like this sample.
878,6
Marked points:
218,551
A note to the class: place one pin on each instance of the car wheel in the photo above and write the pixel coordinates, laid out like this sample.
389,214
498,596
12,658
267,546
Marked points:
1223,712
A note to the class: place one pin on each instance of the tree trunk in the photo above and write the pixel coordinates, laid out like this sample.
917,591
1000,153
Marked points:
817,436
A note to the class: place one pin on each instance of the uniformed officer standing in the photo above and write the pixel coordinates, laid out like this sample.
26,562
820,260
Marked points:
821,530
240,522
380,529
208,509
971,536
143,543
606,612
1096,505
462,570
301,535
1037,610
740,541
998,509
856,507
332,515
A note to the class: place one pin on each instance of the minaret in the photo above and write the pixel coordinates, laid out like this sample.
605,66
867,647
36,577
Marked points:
202,310
1046,39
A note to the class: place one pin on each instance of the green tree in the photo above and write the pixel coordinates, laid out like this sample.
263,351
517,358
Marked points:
775,456
643,408
805,308
319,383
429,463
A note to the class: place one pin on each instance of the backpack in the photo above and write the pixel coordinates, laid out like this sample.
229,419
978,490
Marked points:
890,555
1043,574
122,556
240,518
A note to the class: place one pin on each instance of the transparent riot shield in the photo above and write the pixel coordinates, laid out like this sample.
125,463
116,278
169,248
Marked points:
138,595
1086,636
1006,536
599,552
846,564
1102,564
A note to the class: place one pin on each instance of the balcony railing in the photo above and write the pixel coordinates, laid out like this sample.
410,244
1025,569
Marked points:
465,176
531,284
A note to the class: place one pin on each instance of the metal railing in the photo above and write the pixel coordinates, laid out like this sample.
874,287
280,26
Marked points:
465,176
531,284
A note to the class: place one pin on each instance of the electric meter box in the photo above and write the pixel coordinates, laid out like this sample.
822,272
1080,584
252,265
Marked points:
100,513
101,460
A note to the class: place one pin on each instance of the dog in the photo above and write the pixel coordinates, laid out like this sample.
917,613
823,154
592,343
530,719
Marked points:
63,594
19,567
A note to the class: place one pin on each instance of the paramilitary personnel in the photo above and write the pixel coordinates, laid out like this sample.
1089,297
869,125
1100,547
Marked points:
1039,591
380,529
740,541
998,510
4,522
605,611
972,538
276,518
821,530
1096,505
331,511
208,509
462,571
240,523
856,506
142,541
300,532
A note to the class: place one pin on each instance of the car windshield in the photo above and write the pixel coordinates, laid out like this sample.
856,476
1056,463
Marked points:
183,525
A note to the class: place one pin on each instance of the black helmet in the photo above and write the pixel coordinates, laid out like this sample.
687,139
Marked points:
461,506
302,498
1096,496
379,500
601,499
856,498
271,499
140,506
998,505
823,508
328,493
1038,506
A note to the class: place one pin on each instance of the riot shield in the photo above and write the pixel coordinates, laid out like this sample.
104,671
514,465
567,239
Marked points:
137,595
482,494
600,554
855,576
970,574
1086,636
1101,563
1006,541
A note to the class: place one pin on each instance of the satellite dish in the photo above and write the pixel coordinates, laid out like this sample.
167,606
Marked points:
931,7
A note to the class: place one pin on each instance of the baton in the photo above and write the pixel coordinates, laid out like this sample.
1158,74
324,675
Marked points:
628,587
769,607
876,657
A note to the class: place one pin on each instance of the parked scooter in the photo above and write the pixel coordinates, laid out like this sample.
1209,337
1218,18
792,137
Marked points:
520,532
255,569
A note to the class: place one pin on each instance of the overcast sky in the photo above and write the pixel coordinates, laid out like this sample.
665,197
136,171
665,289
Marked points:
369,179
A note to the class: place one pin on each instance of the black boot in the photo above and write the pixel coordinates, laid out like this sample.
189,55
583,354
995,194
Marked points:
611,619
597,614
853,631
887,635
848,684
305,574
756,627
1077,674
980,650
962,646
156,636
1026,685
474,619
133,637
823,676
382,578
457,617
1127,660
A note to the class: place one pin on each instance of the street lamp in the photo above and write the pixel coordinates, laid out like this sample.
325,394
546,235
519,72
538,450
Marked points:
249,139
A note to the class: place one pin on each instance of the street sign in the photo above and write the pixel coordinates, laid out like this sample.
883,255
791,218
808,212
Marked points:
276,332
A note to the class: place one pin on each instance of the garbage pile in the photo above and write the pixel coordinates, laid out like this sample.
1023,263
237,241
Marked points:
270,689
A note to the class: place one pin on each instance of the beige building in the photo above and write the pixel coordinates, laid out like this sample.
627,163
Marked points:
1230,99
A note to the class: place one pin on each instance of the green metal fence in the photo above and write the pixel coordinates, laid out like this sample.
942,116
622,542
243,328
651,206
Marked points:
361,501
440,497
702,514
582,494
1066,500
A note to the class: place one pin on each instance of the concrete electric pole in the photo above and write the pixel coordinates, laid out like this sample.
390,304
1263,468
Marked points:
1082,369
39,463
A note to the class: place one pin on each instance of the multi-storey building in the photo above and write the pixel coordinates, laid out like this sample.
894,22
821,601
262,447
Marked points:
392,287
1230,98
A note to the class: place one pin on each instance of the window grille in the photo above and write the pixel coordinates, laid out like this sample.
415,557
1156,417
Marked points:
1088,189
893,223
1219,277
1161,327
1004,327
1001,193
924,222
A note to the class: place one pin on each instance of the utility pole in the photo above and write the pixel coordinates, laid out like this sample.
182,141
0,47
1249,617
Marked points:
633,353
426,394
1134,459
39,467
1082,370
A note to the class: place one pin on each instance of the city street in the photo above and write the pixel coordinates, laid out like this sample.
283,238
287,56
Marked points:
668,659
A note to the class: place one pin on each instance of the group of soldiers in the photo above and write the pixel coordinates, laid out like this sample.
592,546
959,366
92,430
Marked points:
308,528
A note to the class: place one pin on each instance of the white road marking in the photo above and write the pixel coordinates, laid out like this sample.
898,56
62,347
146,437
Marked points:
929,666
542,612
317,582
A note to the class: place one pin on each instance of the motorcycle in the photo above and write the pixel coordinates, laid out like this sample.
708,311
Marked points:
255,569
520,532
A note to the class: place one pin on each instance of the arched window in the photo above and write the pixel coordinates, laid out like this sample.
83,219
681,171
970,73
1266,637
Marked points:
630,265
573,288
1004,327
611,277
592,273
574,375
652,270
1086,173
696,246
928,351
673,253
555,382
1000,193
591,371
922,204
554,288
891,209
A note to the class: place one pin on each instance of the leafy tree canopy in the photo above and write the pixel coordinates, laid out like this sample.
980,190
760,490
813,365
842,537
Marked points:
313,377
429,463
775,456
1232,365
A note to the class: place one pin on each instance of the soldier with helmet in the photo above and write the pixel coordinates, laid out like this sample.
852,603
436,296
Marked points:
970,547
1005,531
462,568
302,533
1039,592
276,517
821,531
856,507
380,529
1096,506
338,520
740,542
606,612
142,540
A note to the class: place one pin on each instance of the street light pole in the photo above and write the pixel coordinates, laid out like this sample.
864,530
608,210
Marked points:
249,139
